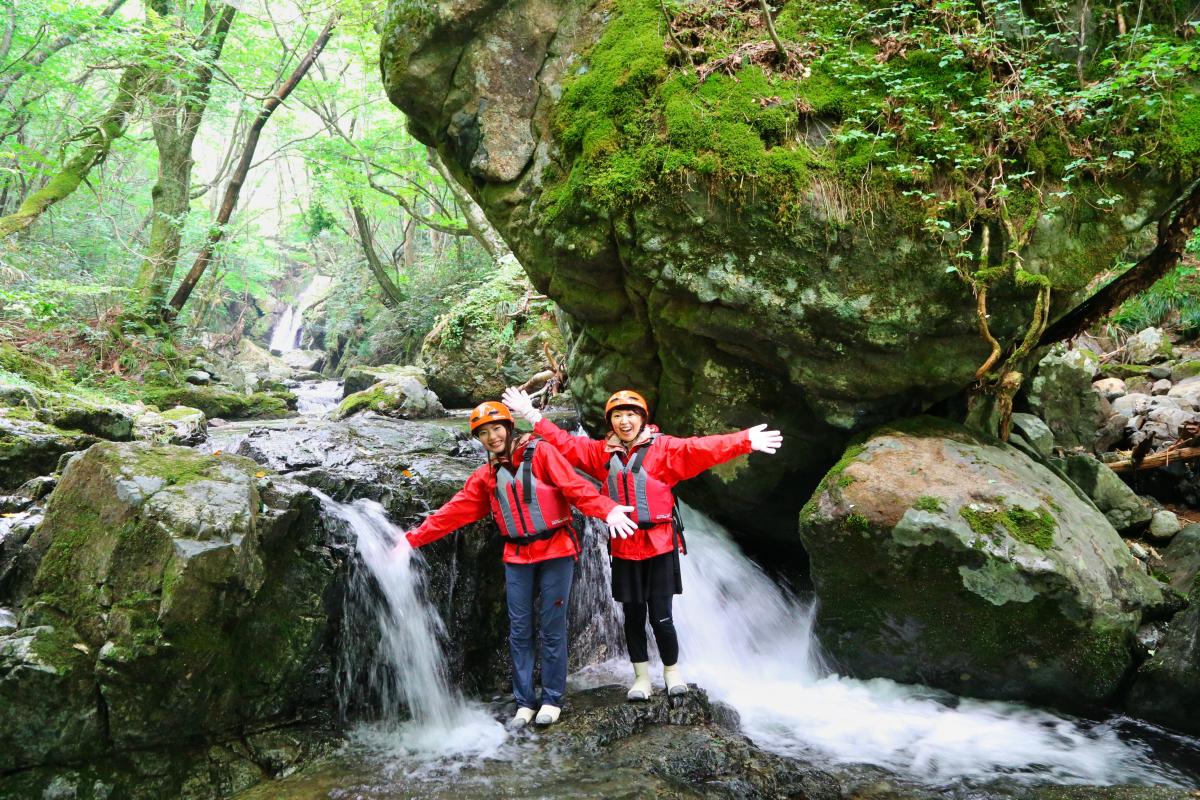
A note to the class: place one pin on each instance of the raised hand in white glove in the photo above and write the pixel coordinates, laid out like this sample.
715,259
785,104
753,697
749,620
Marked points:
619,523
519,403
763,440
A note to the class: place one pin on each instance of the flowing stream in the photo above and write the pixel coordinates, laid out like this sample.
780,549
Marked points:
750,644
421,714
286,334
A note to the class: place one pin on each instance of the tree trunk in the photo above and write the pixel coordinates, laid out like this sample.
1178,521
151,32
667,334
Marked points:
97,141
1174,230
178,103
392,294
477,222
234,189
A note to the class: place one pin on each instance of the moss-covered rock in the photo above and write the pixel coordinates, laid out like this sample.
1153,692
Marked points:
1061,394
402,396
178,425
195,591
217,402
946,558
493,338
743,246
29,447
1120,505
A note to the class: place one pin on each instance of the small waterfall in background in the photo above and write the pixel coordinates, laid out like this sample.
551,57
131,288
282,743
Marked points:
751,644
399,668
286,334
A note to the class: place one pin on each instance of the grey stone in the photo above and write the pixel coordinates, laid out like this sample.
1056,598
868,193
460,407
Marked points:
1111,388
1120,505
1164,525
1061,394
198,377
1160,371
1160,387
1036,432
1148,346
928,516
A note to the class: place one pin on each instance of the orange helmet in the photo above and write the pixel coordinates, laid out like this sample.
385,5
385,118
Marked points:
626,398
491,411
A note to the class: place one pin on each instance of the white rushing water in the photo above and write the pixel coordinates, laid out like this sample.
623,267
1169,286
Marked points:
317,398
286,334
423,715
750,644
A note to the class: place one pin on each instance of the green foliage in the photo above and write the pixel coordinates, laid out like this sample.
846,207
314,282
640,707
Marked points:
974,114
1174,301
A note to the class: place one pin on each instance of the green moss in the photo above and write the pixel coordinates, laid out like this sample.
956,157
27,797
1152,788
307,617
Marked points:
32,370
373,398
856,523
1031,527
216,402
927,503
845,481
179,413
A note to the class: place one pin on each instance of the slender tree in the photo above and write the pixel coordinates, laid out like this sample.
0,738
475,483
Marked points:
178,99
238,178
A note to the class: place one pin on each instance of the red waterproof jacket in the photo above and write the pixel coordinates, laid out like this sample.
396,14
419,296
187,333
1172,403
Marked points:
474,502
670,460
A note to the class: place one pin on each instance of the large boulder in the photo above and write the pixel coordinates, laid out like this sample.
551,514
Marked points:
218,402
732,247
1061,393
405,398
362,377
176,599
178,425
1167,687
494,337
946,558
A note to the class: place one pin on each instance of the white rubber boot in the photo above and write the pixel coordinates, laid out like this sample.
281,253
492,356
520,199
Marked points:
641,689
674,681
548,715
523,717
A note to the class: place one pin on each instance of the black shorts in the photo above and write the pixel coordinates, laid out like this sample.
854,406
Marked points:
638,581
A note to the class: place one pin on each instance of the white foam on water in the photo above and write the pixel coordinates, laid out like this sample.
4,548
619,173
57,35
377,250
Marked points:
751,644
441,726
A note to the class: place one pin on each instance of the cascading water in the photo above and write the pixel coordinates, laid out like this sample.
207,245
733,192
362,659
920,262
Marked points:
406,670
750,644
286,334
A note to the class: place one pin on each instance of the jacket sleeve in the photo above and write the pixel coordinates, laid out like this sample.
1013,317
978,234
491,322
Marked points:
579,451
469,504
550,466
687,458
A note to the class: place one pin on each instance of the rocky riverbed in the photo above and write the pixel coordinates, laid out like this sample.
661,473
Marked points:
180,618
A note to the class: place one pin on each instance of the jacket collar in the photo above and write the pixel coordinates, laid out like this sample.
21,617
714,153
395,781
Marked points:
613,445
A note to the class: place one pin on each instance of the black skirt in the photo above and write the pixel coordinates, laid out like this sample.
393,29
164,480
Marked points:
638,581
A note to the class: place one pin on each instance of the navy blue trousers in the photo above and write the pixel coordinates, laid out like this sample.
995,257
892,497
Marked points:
548,583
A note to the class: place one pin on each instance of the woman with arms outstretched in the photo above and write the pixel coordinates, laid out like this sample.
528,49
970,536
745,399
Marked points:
638,466
526,486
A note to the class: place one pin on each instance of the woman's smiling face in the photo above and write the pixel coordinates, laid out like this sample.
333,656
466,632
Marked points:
626,423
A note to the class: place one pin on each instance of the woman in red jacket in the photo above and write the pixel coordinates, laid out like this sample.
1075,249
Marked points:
526,487
639,466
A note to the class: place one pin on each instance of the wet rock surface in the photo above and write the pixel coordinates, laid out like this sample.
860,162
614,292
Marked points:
604,747
170,600
944,558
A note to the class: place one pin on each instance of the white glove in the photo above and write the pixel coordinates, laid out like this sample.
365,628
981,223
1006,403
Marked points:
619,523
764,441
519,403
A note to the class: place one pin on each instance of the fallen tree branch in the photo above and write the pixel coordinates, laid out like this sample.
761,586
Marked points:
1156,460
1173,235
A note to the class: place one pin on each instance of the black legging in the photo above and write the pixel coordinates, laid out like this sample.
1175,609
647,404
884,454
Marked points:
662,624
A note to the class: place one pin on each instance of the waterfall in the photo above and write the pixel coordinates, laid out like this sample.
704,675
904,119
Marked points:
751,644
286,334
404,675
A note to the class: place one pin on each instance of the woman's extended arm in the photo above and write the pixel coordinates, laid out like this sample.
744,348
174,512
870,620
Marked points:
469,504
